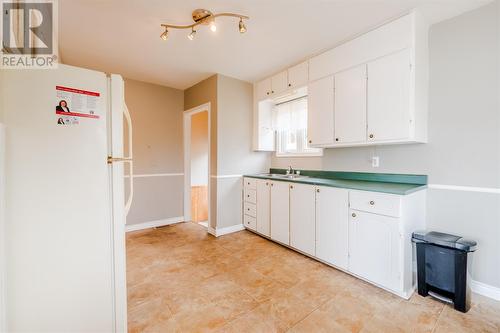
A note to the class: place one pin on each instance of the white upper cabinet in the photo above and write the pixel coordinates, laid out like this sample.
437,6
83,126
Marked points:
389,115
264,207
263,90
279,83
350,105
302,218
280,212
298,75
320,118
332,225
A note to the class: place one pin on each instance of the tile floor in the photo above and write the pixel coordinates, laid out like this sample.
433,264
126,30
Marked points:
182,280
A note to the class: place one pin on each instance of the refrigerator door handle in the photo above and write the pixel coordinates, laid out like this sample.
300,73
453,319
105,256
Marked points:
129,159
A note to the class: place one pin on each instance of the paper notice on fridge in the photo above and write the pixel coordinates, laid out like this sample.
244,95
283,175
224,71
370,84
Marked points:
67,120
76,103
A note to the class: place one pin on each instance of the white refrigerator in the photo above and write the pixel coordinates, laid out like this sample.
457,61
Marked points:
64,202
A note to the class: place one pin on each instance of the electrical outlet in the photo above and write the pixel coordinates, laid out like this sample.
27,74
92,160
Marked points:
375,162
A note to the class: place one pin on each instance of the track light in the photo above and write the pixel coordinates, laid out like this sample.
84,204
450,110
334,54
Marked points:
213,27
164,35
242,26
205,17
192,34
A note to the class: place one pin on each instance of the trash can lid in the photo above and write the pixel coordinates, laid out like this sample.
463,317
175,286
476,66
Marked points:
446,240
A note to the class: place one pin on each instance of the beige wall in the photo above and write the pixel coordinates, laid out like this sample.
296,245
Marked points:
201,93
231,137
156,113
199,149
235,156
464,137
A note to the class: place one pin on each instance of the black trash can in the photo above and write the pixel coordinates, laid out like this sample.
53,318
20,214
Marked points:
443,266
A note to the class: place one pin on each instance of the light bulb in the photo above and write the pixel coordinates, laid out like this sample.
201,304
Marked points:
192,34
213,27
242,26
164,35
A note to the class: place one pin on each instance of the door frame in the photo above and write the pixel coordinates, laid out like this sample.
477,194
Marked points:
187,159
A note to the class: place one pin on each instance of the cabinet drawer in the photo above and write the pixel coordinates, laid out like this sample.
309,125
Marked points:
250,195
250,209
250,222
250,183
373,202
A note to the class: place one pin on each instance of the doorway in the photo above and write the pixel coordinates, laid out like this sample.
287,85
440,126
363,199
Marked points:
197,165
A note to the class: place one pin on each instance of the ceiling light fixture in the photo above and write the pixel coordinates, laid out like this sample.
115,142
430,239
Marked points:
192,34
164,35
206,17
213,27
242,26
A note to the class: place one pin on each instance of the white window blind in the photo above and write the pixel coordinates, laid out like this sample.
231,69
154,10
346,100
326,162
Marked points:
290,120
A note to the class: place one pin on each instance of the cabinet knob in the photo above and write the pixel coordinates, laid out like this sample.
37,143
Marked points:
248,195
267,93
337,139
353,214
291,186
289,84
317,190
371,136
272,91
272,184
372,202
310,141
267,183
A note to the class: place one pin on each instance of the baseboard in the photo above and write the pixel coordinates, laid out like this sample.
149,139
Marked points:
224,231
485,290
154,224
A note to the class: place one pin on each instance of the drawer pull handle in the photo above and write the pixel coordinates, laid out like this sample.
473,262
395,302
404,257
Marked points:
353,214
372,202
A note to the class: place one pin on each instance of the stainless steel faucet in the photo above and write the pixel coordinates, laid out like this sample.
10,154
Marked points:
289,171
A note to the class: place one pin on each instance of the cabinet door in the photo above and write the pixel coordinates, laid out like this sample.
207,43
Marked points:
332,225
298,75
320,107
279,83
280,222
374,249
302,218
263,90
389,97
263,207
350,105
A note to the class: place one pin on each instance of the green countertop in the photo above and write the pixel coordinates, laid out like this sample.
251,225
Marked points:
385,183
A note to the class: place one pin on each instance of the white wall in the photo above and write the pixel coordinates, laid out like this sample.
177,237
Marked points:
464,137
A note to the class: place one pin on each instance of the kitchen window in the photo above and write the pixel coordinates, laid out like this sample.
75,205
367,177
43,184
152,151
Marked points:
290,119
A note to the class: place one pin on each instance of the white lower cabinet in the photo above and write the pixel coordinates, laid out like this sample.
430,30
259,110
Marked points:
374,248
264,207
332,224
365,233
302,218
280,212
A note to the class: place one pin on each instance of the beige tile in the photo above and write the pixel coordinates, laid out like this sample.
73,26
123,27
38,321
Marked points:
182,280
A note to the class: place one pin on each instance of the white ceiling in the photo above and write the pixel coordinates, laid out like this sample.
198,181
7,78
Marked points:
122,36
